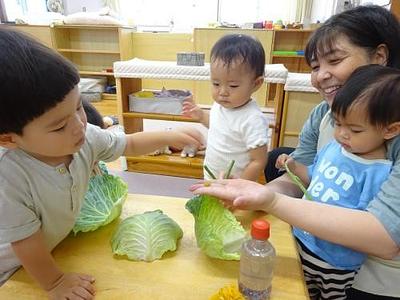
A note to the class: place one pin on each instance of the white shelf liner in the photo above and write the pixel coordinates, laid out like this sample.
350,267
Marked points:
299,82
139,68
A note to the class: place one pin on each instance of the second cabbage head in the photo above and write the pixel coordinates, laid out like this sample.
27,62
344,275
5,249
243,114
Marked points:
217,231
103,203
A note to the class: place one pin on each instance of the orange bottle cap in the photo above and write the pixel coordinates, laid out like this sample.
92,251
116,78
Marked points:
260,229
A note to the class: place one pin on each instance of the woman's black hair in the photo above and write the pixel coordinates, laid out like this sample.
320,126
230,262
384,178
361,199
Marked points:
33,79
377,88
240,46
365,26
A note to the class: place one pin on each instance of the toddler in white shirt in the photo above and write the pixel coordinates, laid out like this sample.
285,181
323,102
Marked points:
237,127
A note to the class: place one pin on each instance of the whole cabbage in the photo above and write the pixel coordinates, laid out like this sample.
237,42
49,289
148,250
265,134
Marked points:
103,202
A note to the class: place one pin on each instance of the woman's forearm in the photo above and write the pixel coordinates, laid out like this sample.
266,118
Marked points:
284,185
356,229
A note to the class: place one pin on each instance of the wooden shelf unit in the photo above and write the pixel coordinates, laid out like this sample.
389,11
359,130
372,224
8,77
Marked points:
291,40
96,73
172,165
87,51
42,33
93,48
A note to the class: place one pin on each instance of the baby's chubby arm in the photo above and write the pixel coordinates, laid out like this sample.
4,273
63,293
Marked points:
258,160
39,263
191,110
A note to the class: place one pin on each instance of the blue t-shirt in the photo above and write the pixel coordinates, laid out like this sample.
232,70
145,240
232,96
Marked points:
385,205
342,179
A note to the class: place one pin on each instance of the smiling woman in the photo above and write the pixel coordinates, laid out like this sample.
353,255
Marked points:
357,37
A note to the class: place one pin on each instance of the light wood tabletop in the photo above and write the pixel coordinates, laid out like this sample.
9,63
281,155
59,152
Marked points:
186,273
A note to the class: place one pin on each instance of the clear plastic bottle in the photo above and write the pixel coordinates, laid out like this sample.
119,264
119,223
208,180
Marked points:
257,261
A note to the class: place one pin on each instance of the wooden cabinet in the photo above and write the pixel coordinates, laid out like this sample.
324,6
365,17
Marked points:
41,33
129,80
395,8
288,49
296,109
93,49
300,98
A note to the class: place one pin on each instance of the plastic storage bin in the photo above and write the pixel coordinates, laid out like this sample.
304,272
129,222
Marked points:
160,102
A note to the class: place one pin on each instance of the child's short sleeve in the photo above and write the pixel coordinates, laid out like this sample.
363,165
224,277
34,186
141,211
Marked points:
255,131
107,145
18,219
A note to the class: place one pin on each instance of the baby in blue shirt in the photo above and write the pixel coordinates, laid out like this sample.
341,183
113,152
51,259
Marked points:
349,171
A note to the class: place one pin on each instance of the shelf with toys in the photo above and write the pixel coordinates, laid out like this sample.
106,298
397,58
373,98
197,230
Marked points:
288,49
129,76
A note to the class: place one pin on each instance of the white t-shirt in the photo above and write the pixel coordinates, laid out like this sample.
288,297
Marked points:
232,133
35,195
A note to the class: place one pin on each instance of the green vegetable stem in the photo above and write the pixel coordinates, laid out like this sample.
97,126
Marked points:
298,182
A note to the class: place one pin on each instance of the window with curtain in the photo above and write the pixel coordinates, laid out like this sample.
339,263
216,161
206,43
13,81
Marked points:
239,11
18,8
187,14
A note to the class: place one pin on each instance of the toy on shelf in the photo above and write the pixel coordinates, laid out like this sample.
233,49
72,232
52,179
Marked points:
279,25
294,25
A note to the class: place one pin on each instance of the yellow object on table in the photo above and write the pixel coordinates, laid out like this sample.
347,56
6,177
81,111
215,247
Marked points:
184,274
230,292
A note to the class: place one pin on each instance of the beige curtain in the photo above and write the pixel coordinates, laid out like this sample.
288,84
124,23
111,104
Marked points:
303,12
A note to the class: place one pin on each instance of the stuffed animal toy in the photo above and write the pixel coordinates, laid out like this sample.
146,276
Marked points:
55,6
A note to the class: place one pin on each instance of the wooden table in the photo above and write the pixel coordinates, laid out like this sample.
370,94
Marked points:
184,274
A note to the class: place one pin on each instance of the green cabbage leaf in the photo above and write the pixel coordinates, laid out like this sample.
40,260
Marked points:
103,202
217,231
146,236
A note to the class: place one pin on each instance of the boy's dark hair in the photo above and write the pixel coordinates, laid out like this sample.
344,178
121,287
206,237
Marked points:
365,26
377,87
33,79
92,114
240,46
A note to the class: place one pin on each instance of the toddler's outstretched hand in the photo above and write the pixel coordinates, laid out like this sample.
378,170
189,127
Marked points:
191,110
73,286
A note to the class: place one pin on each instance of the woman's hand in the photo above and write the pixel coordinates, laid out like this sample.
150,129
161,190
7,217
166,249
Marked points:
73,286
238,193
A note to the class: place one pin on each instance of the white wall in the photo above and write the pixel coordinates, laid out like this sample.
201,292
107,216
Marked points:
73,6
